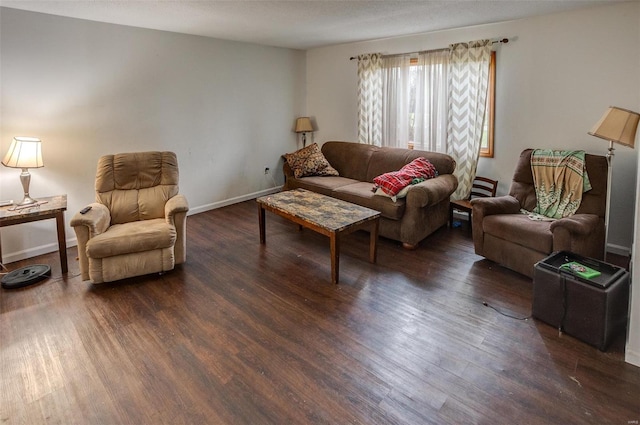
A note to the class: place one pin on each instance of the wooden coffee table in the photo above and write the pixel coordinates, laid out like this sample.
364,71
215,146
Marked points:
323,214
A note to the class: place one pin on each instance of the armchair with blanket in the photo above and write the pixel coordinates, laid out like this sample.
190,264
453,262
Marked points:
502,233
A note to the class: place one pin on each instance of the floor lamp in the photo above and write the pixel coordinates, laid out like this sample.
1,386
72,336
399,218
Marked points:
616,125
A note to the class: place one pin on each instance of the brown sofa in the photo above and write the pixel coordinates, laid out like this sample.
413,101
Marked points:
504,235
408,220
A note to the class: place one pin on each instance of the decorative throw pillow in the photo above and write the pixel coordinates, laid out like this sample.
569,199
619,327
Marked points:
309,161
393,182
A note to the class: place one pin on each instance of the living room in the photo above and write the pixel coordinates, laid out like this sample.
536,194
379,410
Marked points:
227,108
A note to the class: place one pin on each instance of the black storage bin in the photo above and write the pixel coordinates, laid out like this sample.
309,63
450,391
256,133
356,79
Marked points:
593,310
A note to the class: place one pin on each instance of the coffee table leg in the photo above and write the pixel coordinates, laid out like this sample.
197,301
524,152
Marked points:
335,256
62,242
261,224
373,241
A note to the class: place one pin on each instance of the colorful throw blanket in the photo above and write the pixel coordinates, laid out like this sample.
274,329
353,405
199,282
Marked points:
560,179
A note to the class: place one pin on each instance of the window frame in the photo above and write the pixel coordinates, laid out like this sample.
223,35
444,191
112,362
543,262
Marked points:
490,113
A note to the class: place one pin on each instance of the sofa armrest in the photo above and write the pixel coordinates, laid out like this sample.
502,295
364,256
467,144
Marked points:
177,204
432,191
498,205
288,174
579,224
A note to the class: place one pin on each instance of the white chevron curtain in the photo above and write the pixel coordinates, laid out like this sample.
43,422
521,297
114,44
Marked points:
468,83
370,99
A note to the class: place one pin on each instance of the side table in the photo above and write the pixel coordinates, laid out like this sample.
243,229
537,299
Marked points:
49,207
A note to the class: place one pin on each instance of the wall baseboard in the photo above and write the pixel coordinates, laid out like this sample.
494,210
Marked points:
619,250
632,357
53,247
232,201
10,257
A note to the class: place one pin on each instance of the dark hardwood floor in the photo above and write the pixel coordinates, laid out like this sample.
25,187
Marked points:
251,334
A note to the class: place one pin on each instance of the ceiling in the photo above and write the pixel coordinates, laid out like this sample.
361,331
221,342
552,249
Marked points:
300,24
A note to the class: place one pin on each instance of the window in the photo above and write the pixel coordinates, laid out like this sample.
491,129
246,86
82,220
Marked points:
415,100
435,126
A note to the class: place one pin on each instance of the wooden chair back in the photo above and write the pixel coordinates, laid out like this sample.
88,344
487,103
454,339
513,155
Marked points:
482,187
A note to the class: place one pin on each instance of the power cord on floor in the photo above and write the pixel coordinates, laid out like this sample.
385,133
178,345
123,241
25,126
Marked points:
68,276
486,304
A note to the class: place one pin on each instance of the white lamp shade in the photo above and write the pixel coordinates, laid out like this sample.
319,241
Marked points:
24,152
617,125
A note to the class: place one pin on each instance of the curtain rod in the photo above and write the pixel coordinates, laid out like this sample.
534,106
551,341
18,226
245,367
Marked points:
502,40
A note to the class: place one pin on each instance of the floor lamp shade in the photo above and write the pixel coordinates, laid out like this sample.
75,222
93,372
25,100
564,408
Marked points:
616,125
24,153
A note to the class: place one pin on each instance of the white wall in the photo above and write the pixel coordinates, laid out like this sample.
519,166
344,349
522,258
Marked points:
86,89
555,79
632,354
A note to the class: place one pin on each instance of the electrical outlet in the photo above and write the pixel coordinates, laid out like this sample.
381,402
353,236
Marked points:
266,170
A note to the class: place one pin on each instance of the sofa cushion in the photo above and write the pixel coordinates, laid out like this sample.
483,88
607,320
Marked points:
324,185
350,159
309,161
117,240
519,229
360,193
387,159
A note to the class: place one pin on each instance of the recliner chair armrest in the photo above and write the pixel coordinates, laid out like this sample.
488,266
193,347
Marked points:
94,222
482,207
175,205
498,205
175,211
583,234
580,224
97,219
432,191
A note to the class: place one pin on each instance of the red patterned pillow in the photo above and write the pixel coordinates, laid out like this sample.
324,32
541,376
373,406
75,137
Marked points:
393,182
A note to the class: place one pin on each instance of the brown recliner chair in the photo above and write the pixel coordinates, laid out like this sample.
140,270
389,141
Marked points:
137,225
504,235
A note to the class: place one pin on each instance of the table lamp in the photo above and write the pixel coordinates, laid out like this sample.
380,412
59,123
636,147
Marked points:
303,125
25,153
616,125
